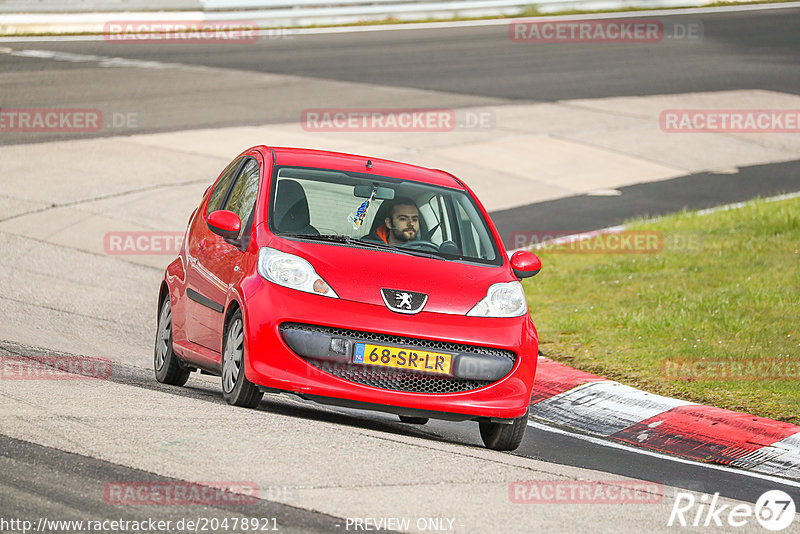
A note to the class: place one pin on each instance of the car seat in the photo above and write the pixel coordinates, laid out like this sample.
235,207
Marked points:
291,209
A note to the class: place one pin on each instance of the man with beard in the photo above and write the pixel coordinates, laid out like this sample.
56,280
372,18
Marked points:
401,224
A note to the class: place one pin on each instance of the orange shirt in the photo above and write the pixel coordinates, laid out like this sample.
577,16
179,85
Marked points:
383,233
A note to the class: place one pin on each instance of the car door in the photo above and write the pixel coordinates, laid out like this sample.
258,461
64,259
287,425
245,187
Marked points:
201,310
216,261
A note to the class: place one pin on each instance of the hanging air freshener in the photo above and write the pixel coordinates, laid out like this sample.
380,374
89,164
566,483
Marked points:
357,218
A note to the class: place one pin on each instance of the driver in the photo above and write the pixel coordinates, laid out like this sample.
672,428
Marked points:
401,224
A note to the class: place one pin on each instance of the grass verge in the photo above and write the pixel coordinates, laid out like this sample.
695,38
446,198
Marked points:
713,317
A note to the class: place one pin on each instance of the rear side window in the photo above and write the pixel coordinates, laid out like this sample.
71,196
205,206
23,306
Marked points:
475,238
434,213
223,184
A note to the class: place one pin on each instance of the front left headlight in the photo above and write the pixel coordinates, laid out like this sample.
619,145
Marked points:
502,300
292,271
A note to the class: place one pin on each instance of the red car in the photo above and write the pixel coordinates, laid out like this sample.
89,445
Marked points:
351,281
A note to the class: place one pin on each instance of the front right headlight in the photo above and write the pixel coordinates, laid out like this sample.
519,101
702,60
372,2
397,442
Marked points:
502,300
292,271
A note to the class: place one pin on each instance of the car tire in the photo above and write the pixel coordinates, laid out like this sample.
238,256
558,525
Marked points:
236,388
504,437
167,366
413,420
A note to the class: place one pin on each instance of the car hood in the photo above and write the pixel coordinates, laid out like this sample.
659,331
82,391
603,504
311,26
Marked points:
359,274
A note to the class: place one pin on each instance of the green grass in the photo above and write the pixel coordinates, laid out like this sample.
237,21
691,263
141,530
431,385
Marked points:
731,296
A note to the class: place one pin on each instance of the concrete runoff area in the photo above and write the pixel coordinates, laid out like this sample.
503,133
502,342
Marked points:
61,289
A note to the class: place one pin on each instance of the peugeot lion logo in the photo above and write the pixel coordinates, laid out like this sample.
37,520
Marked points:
403,301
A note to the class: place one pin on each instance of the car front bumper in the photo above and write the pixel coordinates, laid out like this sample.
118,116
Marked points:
288,347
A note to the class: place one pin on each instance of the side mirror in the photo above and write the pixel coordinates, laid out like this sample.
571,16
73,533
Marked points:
525,264
224,223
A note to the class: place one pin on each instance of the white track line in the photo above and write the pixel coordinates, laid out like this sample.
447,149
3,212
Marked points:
102,61
662,456
739,205
456,24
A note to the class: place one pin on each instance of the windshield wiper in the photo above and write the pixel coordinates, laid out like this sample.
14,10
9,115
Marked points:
339,238
393,248
335,238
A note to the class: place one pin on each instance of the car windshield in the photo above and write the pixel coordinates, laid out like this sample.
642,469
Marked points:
353,209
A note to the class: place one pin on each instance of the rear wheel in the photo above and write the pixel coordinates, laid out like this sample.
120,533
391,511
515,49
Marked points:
504,437
413,420
166,365
236,388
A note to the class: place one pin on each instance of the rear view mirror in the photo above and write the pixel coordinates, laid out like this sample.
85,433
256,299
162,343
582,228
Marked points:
224,223
381,193
525,264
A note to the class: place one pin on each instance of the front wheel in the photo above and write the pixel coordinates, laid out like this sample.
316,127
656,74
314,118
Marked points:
167,368
236,388
504,437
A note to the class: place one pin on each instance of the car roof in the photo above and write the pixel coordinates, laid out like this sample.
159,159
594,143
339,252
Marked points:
323,159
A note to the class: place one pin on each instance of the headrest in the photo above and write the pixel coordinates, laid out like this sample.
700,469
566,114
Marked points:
291,207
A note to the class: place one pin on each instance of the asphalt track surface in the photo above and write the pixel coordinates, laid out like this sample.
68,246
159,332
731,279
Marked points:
739,50
45,482
40,481
693,192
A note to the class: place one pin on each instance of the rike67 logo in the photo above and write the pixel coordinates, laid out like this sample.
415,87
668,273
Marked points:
774,510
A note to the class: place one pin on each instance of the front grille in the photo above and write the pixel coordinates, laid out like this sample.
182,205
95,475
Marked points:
399,380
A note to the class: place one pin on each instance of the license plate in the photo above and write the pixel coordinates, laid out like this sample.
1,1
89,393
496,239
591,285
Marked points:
403,358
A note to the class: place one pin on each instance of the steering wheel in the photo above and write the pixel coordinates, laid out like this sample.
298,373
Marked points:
421,244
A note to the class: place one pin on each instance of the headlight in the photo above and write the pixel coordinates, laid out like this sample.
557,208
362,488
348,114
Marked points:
502,300
292,271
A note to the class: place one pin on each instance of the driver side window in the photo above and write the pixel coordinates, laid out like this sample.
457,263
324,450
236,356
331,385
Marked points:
221,188
242,199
